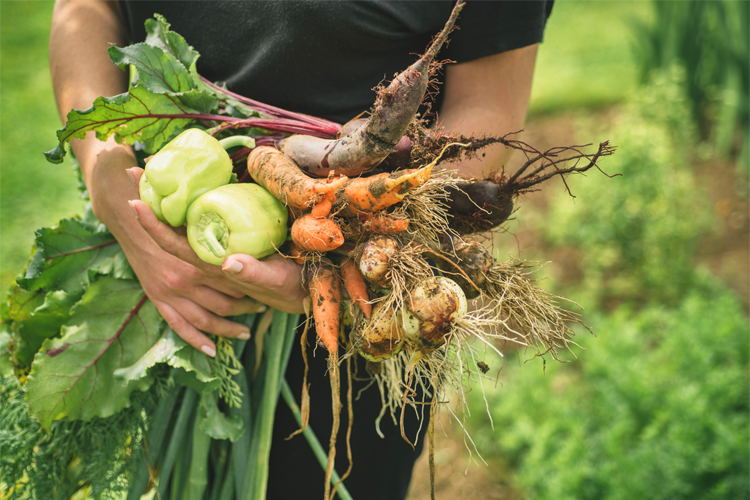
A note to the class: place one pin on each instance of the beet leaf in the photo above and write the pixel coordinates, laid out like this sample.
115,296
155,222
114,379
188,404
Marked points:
73,376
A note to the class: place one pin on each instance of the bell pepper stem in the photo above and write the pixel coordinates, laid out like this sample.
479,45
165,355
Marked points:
237,140
212,241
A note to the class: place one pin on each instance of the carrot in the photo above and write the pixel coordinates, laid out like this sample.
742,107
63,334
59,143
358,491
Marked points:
322,209
296,253
355,285
279,174
374,193
367,145
326,299
382,223
316,235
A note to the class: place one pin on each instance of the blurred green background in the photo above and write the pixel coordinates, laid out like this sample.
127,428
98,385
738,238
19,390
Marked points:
657,405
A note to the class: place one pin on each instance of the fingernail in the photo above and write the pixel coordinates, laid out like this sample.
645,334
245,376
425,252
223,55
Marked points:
232,266
262,309
209,350
131,174
132,207
244,336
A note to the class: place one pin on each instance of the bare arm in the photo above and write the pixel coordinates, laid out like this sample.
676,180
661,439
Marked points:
189,300
488,96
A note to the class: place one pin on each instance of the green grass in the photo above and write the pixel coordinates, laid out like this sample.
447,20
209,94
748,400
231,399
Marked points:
587,58
33,192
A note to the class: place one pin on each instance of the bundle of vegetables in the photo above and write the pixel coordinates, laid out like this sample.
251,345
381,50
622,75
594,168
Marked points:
388,235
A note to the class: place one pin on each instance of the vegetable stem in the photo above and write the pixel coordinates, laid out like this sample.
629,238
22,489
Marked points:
212,241
237,140
312,439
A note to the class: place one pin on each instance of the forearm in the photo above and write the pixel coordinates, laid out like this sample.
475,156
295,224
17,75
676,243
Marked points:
81,71
488,97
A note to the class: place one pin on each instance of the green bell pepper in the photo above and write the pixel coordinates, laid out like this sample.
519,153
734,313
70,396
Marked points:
191,164
236,218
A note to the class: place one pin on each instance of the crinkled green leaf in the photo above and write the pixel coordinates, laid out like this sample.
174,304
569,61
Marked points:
69,254
35,316
159,35
158,71
219,425
73,376
138,115
160,352
194,370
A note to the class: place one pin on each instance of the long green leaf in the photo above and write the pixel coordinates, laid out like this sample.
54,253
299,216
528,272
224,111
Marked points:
197,480
188,408
157,431
73,376
256,473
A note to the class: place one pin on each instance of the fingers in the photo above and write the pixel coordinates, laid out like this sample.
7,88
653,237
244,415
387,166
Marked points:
195,320
135,174
164,235
274,280
185,330
221,305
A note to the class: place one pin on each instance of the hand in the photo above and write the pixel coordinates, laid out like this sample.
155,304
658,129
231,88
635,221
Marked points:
274,280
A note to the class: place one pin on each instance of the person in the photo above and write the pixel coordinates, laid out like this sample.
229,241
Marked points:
317,57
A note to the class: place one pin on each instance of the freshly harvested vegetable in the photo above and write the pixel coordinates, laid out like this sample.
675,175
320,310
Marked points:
433,308
326,298
188,166
375,259
478,206
278,173
314,234
365,147
377,192
236,218
382,337
475,261
355,285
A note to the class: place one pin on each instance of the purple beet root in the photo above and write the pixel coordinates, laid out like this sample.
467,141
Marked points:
368,145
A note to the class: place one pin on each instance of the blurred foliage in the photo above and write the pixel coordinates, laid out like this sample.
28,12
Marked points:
586,59
657,410
637,233
711,39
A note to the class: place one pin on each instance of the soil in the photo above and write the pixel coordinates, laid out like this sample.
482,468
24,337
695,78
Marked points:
726,253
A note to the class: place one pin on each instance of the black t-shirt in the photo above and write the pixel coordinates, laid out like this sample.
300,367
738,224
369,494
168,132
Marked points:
325,57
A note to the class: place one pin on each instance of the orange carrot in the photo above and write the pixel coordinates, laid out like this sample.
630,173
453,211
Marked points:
316,235
326,299
382,223
322,209
278,173
355,285
371,194
296,253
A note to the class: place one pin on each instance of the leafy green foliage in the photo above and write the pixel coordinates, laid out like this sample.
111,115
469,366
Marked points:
137,115
637,233
711,40
69,254
73,376
656,408
99,454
